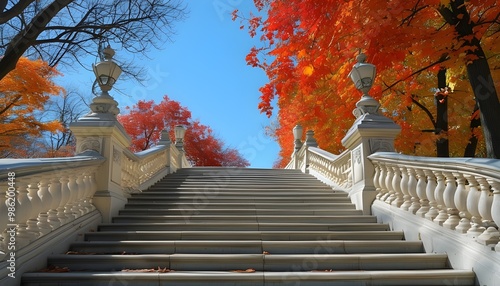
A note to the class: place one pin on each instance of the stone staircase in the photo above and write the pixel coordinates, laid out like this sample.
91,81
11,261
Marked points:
234,226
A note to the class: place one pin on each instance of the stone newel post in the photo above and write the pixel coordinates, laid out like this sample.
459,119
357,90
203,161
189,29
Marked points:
100,131
370,133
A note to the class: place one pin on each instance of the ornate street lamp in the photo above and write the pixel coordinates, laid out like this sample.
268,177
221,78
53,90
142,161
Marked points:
297,135
106,72
180,131
363,75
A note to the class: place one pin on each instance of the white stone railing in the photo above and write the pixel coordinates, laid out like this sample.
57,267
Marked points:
461,194
141,170
38,196
334,170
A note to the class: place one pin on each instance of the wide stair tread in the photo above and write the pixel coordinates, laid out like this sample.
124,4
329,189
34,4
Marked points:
238,226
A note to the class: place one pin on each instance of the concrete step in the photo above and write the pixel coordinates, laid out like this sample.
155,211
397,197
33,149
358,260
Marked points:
238,226
245,218
241,226
227,199
206,204
265,194
247,247
259,262
225,278
278,188
200,210
244,235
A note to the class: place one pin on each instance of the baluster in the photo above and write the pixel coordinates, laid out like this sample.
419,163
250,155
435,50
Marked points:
495,207
460,199
396,185
65,196
81,194
71,209
388,184
84,204
422,193
46,199
412,189
55,192
86,194
430,191
485,201
93,189
376,183
461,195
381,181
439,195
36,207
23,209
449,201
473,197
404,189
473,205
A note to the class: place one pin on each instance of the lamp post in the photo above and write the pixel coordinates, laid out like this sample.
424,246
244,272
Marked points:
297,136
363,74
106,72
180,131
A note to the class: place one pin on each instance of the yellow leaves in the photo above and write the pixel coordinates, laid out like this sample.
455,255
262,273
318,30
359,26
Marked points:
445,3
308,70
302,54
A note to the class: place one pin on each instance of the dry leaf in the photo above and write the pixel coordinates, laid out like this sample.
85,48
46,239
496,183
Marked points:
55,269
249,270
149,270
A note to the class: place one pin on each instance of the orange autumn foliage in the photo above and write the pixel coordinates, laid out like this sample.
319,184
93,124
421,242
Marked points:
24,91
309,48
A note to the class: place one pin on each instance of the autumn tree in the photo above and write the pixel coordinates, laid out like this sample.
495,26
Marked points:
145,121
309,47
24,91
62,31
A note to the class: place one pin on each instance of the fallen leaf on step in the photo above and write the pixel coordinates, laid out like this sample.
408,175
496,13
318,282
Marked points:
148,270
55,269
325,270
80,253
265,252
249,270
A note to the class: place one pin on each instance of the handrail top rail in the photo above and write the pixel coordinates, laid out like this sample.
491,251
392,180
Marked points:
486,166
144,154
26,167
327,154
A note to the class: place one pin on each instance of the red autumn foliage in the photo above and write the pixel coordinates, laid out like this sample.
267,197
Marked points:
145,121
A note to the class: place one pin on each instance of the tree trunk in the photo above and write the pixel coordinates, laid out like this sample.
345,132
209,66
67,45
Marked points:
487,100
475,122
442,144
479,74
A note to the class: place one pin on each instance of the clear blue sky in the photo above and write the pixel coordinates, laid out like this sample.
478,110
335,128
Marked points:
204,69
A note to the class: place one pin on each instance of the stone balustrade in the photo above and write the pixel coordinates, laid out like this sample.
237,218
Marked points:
461,194
332,169
41,195
38,196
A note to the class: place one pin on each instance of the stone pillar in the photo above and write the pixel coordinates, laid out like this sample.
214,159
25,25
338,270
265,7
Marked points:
370,133
101,132
165,140
180,131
